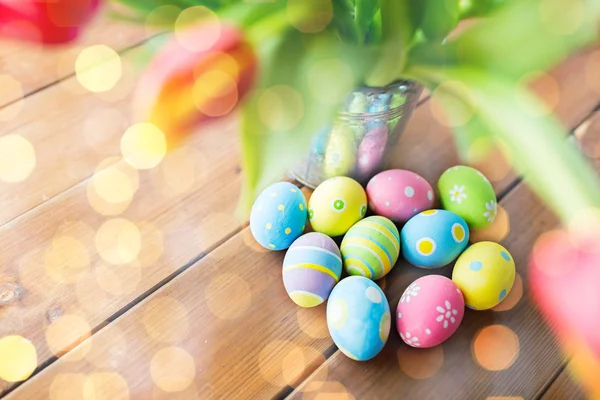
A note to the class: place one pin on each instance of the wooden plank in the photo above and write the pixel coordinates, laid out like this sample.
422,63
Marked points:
35,66
564,388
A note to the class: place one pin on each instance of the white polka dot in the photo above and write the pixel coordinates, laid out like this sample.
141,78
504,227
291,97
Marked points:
430,195
389,178
409,191
399,315
427,331
415,210
387,203
373,294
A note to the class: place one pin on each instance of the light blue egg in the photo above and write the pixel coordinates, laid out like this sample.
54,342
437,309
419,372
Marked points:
434,238
358,317
278,216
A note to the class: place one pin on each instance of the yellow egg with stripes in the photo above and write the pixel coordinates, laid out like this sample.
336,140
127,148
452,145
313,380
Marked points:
371,248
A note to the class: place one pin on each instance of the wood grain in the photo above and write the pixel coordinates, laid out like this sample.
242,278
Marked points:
36,66
564,388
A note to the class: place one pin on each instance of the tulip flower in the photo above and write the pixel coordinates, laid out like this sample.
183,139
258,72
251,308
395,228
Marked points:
46,21
564,276
198,75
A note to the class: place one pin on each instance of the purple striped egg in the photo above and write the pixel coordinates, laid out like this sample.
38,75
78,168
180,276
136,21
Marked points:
311,268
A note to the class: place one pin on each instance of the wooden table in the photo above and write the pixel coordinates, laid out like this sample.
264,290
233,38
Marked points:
194,307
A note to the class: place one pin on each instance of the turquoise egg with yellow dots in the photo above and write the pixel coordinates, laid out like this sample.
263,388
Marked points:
434,238
336,205
371,247
358,318
485,274
278,216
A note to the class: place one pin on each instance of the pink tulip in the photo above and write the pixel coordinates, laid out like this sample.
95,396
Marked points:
47,21
198,75
565,281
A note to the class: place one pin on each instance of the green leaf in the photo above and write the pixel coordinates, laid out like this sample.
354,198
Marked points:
554,169
364,12
436,18
524,37
304,79
479,8
343,19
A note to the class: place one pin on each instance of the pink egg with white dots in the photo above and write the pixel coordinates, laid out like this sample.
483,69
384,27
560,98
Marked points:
399,194
430,311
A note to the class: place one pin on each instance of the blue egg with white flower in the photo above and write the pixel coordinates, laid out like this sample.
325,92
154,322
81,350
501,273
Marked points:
434,238
358,317
278,216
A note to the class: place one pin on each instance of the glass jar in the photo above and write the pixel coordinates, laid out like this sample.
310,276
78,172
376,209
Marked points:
360,140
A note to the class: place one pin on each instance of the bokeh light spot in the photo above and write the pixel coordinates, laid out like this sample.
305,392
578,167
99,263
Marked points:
495,164
191,17
495,347
215,93
553,254
12,92
17,158
67,332
118,241
281,362
547,89
446,107
584,230
67,386
309,16
152,244
228,296
280,108
329,80
143,146
66,259
420,363
496,232
114,185
172,369
166,319
312,322
162,17
105,386
118,280
516,293
18,358
98,68
109,354
90,295
180,170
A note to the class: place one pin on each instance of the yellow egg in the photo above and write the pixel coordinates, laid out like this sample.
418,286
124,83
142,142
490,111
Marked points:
484,273
336,205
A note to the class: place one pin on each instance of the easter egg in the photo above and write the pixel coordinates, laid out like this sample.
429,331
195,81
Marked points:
336,205
434,238
358,317
311,268
466,192
429,312
371,151
278,216
340,154
371,247
485,274
399,194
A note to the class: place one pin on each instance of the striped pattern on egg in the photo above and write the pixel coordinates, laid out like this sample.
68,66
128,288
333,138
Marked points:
371,247
311,268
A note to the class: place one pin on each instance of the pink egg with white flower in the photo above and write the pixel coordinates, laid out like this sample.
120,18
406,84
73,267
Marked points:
399,194
430,311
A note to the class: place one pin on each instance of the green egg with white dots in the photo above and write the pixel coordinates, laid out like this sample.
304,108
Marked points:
468,193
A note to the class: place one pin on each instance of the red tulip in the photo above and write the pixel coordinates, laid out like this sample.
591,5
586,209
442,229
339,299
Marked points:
565,281
198,75
47,21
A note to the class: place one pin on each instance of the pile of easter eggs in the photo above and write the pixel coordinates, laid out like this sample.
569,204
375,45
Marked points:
358,313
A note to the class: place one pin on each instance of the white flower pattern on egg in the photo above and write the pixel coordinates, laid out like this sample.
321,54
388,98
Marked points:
410,340
458,194
492,210
446,314
412,290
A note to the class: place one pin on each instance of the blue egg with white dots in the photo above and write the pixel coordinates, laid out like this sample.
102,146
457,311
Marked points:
358,317
434,238
278,216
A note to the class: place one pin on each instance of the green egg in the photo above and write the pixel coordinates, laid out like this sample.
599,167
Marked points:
468,193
